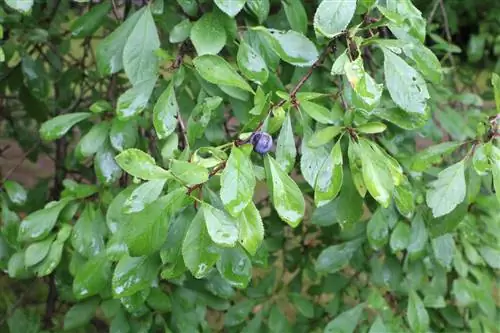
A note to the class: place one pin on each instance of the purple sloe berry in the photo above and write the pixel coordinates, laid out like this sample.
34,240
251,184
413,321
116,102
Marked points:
262,142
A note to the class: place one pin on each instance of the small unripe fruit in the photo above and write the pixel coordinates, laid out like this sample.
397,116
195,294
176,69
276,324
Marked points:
262,142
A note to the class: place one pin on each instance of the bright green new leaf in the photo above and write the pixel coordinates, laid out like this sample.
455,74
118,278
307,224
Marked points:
200,253
400,237
89,232
260,8
292,47
416,314
38,224
335,257
208,35
58,126
230,7
165,113
447,191
444,249
100,106
332,17
143,195
80,314
91,142
323,136
216,70
371,128
286,152
188,173
347,321
123,134
287,197
237,182
133,101
93,277
36,252
222,228
180,32
87,24
141,165
133,274
296,15
406,86
433,154
251,229
109,53
16,192
330,176
251,64
235,266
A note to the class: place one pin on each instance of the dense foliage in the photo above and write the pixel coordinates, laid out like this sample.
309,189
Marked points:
251,166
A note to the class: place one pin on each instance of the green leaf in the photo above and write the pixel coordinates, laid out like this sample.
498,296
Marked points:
16,268
58,126
312,159
417,316
286,152
444,249
16,192
371,128
296,15
260,8
235,266
406,21
200,117
292,47
80,314
495,168
87,24
378,326
145,231
406,86
106,169
165,113
115,217
347,321
216,70
38,224
447,191
433,155
318,112
208,35
93,277
403,198
251,229
400,237
490,255
24,320
143,195
36,252
305,306
495,81
230,7
377,230
23,6
180,32
376,173
480,159
133,101
277,321
200,253
91,142
251,64
332,17
323,136
53,258
355,165
237,181
418,238
335,257
223,229
159,301
123,134
425,61
287,197
89,232
109,53
188,173
366,89
100,106
139,58
329,179
132,275
141,165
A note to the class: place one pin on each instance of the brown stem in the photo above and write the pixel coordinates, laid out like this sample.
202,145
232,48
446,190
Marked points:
218,168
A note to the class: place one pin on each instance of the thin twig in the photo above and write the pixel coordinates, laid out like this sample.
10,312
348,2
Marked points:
182,130
433,12
447,30
18,164
214,171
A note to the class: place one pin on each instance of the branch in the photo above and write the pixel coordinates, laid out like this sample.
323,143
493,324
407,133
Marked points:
18,164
